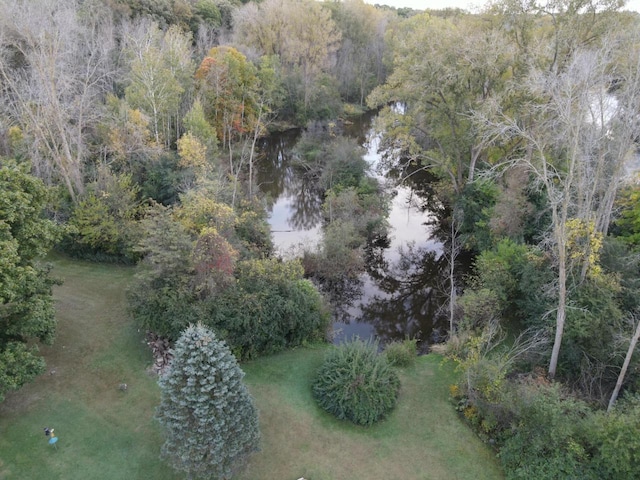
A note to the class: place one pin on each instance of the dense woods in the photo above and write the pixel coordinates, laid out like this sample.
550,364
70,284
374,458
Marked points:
129,132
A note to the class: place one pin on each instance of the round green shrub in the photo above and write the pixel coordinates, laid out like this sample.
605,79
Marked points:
356,383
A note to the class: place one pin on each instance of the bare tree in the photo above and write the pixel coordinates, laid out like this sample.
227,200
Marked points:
579,136
625,365
55,67
451,251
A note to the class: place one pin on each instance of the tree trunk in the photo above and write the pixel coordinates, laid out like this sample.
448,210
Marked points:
452,285
560,316
625,365
256,133
452,298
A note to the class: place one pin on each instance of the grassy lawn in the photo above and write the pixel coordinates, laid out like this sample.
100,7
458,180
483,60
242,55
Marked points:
105,433
422,439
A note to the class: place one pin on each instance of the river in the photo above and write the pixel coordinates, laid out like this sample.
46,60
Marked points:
402,293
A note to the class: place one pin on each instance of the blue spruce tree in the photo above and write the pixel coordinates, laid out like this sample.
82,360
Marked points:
210,420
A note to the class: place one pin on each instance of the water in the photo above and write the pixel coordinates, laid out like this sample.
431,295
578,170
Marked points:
402,292
295,214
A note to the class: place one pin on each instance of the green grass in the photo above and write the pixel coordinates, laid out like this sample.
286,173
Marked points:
108,434
103,433
422,439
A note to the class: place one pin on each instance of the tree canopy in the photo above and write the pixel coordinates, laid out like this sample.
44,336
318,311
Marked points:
26,304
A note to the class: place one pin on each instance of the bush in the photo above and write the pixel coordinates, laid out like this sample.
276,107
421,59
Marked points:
104,225
546,441
269,308
401,354
612,440
554,435
161,298
355,383
515,274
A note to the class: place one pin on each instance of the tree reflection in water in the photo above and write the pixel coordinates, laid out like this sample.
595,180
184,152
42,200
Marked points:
274,176
402,292
279,178
414,286
306,205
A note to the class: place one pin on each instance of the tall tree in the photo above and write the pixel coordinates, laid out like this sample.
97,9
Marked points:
579,134
359,60
240,99
195,123
26,302
210,420
282,28
55,67
127,140
160,76
444,70
559,26
228,83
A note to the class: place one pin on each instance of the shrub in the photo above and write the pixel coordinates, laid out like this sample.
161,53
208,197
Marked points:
161,298
253,231
270,307
480,307
104,225
612,440
554,435
515,274
356,383
626,226
546,442
401,354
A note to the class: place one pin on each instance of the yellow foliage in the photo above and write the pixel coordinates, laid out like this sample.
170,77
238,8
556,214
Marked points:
584,243
130,133
470,412
484,370
193,154
15,136
138,120
199,211
454,391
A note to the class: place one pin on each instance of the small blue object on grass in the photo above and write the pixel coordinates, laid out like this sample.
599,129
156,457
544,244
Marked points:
52,441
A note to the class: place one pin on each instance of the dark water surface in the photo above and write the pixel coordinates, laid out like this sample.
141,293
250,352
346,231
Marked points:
402,294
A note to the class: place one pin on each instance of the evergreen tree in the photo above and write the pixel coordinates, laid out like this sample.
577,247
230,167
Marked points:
210,420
